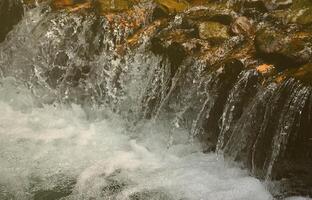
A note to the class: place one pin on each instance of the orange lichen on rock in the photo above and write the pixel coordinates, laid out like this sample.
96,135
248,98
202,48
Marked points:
265,68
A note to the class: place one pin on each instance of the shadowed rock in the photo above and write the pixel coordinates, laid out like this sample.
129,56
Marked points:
11,12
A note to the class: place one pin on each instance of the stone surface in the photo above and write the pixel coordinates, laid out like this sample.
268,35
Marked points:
286,50
105,6
172,6
213,31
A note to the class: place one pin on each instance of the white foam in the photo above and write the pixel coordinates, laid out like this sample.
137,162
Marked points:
41,147
39,143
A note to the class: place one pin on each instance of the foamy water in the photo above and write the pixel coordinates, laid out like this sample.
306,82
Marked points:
64,152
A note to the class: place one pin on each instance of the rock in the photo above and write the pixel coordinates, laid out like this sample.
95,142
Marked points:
172,6
303,16
299,13
213,31
264,6
304,73
211,12
285,50
65,3
242,26
279,4
71,5
104,6
11,12
266,69
251,6
268,41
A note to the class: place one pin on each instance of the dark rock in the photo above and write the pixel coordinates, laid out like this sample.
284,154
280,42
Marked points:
218,89
11,12
176,54
290,50
303,74
258,5
268,41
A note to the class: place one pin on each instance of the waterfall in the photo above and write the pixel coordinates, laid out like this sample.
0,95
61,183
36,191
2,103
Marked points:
84,115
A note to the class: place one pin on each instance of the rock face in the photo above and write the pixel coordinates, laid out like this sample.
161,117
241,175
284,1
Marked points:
11,11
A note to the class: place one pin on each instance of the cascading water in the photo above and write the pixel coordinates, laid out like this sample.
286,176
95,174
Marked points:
79,121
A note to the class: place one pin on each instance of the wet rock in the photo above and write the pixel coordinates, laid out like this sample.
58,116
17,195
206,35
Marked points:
171,6
66,3
268,41
299,13
11,12
266,69
211,12
263,6
284,50
303,73
242,26
251,8
303,17
279,4
104,6
213,31
219,88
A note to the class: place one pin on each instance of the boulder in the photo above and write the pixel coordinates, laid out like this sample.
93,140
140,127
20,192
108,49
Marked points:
268,41
11,12
286,50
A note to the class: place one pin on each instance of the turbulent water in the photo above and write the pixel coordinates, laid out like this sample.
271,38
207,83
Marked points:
56,151
71,122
